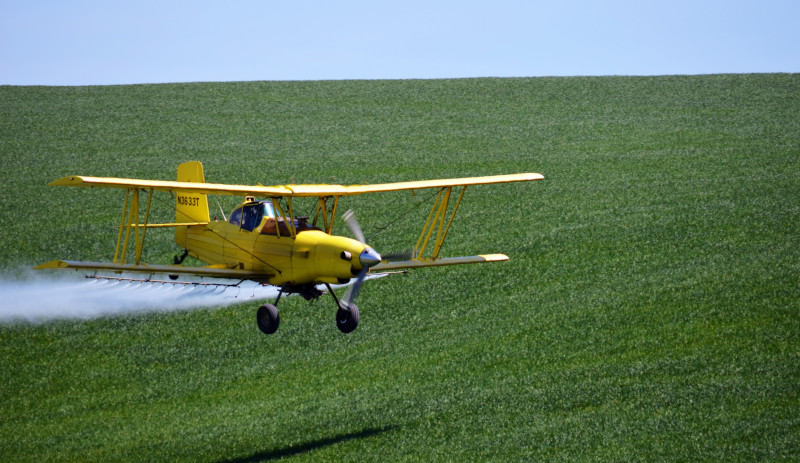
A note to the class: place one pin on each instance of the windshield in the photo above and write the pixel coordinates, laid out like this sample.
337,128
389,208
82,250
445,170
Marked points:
249,216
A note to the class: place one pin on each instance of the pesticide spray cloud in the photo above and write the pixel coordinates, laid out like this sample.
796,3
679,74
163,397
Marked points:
39,299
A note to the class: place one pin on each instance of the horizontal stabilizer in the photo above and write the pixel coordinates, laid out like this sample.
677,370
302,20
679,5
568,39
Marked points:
419,263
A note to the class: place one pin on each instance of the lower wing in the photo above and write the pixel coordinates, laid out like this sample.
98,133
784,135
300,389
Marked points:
418,263
212,272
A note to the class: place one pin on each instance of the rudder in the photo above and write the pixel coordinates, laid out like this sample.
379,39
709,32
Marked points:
190,207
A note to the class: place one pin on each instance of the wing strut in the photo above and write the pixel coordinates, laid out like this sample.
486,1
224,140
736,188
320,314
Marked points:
437,221
130,223
327,216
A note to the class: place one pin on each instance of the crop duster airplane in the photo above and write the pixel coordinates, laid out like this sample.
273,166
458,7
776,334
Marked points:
265,242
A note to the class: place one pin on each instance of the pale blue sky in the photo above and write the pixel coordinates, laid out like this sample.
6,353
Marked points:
114,42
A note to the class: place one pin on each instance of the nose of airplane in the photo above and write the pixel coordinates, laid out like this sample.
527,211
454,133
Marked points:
369,258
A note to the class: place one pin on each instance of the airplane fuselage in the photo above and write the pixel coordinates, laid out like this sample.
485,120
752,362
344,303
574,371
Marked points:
311,256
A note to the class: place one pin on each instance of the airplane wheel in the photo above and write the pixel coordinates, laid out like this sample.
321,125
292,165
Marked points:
268,319
347,320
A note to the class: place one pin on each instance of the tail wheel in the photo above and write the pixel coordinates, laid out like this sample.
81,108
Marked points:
347,317
268,319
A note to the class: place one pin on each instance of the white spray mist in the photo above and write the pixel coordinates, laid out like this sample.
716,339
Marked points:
42,298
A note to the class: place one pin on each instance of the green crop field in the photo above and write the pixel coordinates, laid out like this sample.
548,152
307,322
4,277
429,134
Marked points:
650,310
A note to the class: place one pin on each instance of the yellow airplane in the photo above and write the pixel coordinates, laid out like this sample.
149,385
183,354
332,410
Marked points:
265,242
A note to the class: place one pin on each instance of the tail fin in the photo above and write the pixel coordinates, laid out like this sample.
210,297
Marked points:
190,207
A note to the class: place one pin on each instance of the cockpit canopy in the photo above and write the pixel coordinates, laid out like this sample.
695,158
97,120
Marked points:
249,216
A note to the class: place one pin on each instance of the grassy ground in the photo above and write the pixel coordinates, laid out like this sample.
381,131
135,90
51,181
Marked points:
649,310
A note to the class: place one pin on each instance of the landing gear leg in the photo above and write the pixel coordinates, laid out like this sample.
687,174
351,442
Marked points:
179,260
280,293
347,317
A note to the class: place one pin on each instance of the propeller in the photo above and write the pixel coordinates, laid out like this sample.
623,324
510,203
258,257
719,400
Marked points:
368,258
355,227
352,222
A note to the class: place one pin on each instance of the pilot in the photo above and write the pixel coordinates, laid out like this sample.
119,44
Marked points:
252,216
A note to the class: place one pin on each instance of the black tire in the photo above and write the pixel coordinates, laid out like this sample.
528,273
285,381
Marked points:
347,318
268,319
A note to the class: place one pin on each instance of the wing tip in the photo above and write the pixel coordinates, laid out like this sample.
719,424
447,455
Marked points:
52,264
494,257
66,181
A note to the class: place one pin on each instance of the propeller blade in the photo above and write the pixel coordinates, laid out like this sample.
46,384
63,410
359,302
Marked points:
352,293
368,257
352,222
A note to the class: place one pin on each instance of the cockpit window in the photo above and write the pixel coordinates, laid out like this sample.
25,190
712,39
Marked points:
269,211
249,216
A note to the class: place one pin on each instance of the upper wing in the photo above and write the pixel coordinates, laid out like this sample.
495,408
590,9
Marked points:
341,190
307,190
168,185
